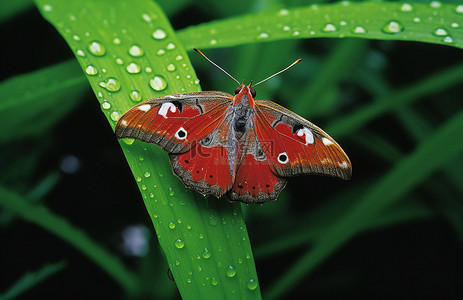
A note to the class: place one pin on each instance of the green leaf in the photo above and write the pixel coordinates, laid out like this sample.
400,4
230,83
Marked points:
130,53
437,24
11,8
31,279
428,158
32,103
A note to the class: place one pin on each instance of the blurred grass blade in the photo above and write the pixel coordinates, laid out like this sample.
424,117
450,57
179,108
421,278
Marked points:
31,279
130,53
32,103
371,20
41,216
394,101
434,153
11,8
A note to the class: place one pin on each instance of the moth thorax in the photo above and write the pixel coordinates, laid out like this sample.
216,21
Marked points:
242,111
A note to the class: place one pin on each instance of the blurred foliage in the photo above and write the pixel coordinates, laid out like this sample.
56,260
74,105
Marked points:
394,230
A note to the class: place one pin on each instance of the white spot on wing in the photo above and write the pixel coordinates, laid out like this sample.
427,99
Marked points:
343,164
327,142
181,133
165,107
124,123
283,158
144,107
308,135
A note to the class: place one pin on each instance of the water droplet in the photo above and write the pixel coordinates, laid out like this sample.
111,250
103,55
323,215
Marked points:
214,281
135,96
212,220
406,7
196,81
129,141
459,9
359,29
158,83
143,187
296,33
159,34
436,4
106,105
283,12
170,67
112,84
116,41
206,253
252,284
91,70
133,68
329,28
96,48
455,25
448,39
178,58
231,271
170,46
148,70
146,17
119,61
115,116
136,51
147,174
393,27
171,225
179,243
201,236
286,28
171,193
440,32
416,20
262,35
161,52
213,42
76,37
80,53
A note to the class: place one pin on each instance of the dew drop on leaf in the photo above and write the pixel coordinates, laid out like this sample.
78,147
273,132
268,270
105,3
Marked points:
159,34
129,141
252,284
179,243
455,25
436,4
359,29
158,83
170,67
116,41
206,253
135,96
459,9
80,53
106,105
262,35
133,68
213,42
440,32
147,174
406,7
214,281
448,39
212,220
393,27
170,46
146,17
136,51
112,84
178,58
161,52
96,48
115,116
119,61
75,37
231,271
91,70
171,225
329,28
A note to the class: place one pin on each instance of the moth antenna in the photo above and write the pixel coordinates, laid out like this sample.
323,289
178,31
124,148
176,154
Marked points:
296,62
199,51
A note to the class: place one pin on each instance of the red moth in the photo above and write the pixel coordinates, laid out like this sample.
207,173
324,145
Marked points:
222,144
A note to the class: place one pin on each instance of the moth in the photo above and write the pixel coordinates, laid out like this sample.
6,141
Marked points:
234,145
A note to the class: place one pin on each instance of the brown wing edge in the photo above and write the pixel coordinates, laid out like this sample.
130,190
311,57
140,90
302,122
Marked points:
260,197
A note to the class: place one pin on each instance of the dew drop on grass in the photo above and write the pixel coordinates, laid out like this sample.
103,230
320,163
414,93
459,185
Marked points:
329,28
262,35
406,7
448,39
161,52
286,28
178,58
146,17
436,4
135,96
170,46
171,225
115,116
416,20
80,53
159,34
158,83
359,29
106,105
459,9
96,48
206,253
440,32
231,271
455,25
179,243
252,284
116,41
91,70
393,27
147,174
133,68
170,67
136,51
111,85
75,37
148,70
119,61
